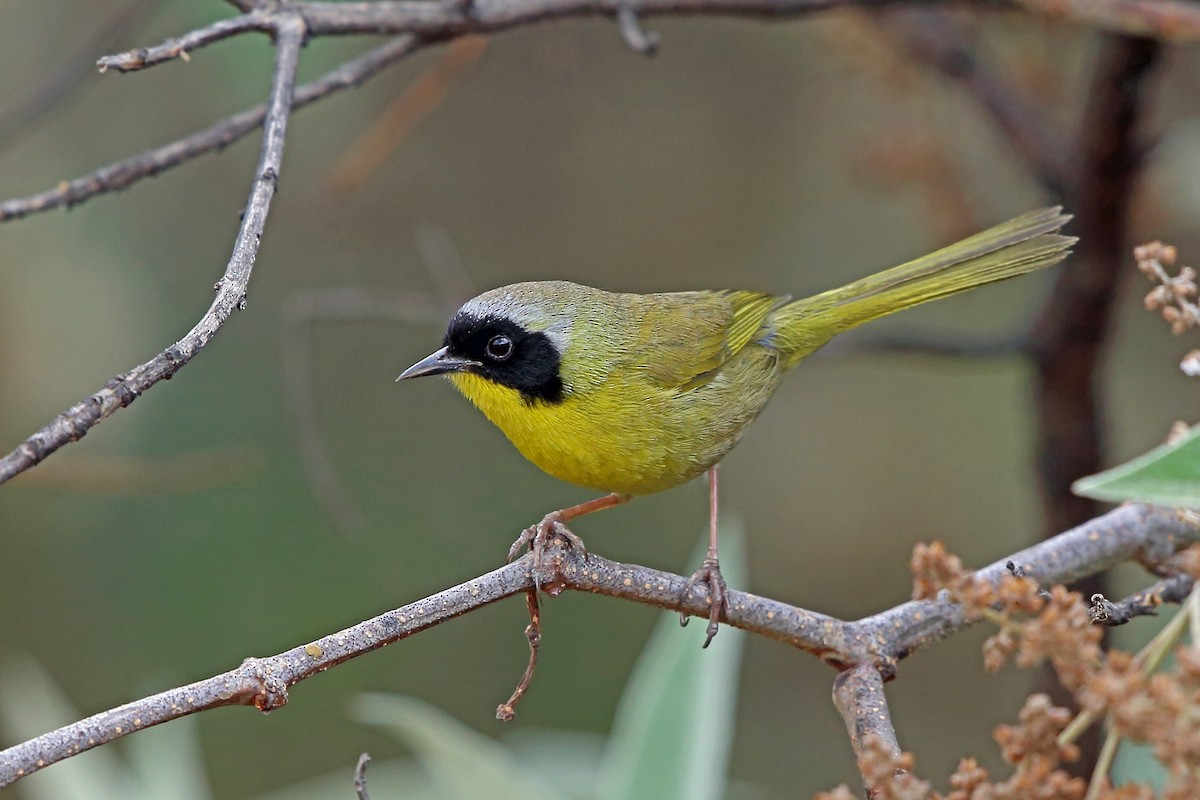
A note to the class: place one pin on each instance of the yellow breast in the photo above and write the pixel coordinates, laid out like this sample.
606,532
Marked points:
630,434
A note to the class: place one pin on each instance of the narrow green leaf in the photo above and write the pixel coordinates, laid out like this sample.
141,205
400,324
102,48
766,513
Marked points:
31,703
461,761
169,761
164,763
1166,476
674,726
565,760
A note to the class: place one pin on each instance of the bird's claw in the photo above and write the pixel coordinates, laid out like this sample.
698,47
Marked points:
718,594
538,537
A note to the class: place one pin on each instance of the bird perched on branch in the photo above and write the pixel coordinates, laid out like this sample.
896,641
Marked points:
631,394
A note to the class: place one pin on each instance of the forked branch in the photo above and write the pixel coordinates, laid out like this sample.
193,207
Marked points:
869,649
123,389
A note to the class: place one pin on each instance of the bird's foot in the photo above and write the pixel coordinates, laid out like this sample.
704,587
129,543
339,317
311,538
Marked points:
718,595
538,537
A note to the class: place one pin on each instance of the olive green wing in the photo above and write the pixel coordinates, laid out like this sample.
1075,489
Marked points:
686,337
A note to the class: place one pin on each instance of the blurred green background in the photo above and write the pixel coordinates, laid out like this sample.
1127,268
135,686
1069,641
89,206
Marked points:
180,536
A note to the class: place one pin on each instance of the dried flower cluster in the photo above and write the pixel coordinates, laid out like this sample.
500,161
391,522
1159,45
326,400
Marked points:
1160,708
889,775
934,570
1173,295
1031,747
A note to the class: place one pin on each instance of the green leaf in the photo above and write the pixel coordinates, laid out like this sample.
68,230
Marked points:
674,725
462,762
1135,762
566,760
1166,476
164,763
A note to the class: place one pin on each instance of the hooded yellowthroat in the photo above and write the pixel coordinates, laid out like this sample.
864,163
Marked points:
635,393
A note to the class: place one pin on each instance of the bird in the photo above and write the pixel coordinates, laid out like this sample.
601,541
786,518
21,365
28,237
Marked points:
631,394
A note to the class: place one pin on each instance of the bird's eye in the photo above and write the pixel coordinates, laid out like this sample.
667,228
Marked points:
500,347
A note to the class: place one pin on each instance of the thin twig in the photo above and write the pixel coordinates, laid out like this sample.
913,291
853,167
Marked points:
422,23
533,633
123,389
1085,550
442,19
446,19
122,174
1174,20
1173,589
193,40
878,642
639,39
1148,659
360,777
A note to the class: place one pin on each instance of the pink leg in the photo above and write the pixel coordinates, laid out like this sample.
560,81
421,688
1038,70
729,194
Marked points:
712,514
710,572
554,523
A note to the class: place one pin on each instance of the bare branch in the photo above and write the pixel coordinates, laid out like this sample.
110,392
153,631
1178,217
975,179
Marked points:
123,389
1130,533
1174,589
446,19
858,696
123,174
180,47
1171,18
360,777
439,20
868,650
873,645
638,39
263,682
1174,20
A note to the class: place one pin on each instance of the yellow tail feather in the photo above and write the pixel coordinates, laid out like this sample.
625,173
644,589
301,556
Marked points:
1021,245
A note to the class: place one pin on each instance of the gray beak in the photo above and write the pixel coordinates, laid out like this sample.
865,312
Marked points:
438,363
